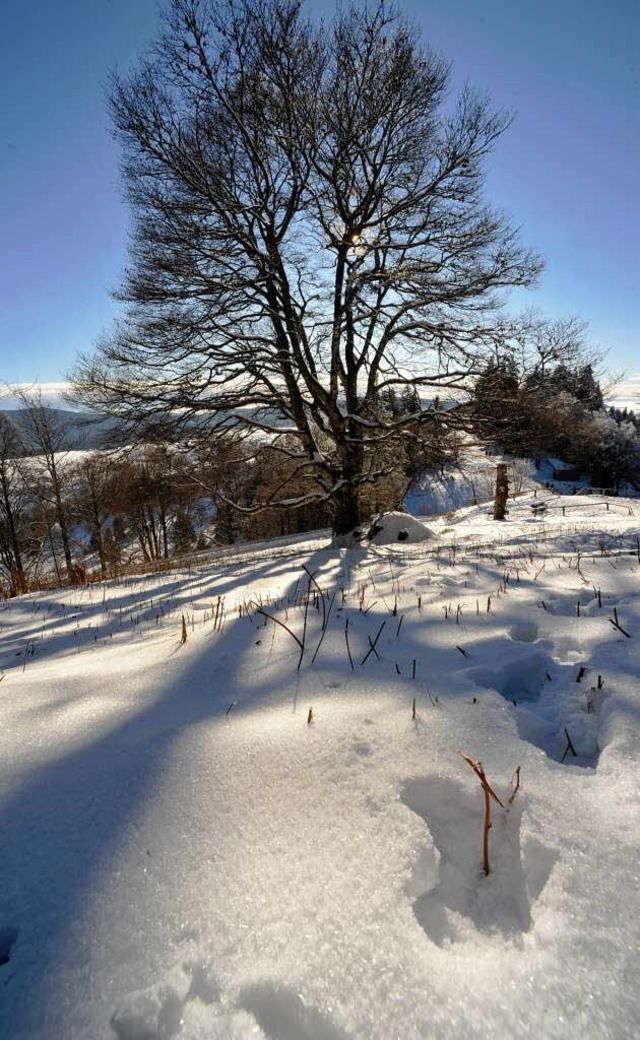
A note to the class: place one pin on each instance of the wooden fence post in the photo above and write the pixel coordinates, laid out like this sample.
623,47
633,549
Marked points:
502,492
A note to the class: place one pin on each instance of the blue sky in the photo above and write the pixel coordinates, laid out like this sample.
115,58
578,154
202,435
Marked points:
567,170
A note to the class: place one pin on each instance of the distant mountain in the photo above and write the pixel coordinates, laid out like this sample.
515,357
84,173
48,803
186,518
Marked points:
83,430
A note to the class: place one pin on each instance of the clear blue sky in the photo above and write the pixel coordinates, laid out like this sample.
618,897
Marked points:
568,170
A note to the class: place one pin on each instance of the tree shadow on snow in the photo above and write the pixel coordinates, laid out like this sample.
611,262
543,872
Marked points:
63,828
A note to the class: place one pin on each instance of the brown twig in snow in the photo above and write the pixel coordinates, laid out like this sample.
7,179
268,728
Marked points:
489,793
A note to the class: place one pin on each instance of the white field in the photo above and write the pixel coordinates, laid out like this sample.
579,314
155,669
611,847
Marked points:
168,869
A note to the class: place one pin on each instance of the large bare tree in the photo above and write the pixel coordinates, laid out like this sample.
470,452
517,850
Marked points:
309,229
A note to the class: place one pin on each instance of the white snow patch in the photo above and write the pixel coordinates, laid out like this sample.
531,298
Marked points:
186,855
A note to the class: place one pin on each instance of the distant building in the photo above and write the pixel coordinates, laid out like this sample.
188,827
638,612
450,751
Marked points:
561,470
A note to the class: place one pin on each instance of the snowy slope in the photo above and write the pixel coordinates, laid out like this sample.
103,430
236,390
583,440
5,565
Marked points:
172,866
473,480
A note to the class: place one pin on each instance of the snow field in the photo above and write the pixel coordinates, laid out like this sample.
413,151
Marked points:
172,870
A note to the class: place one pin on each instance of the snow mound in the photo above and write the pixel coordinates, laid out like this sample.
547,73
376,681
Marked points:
397,527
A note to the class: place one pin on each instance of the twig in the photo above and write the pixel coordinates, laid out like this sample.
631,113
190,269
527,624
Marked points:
304,623
346,639
325,625
312,579
372,645
517,786
569,747
264,613
619,627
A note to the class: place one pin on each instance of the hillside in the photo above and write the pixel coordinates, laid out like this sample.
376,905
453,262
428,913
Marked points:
187,852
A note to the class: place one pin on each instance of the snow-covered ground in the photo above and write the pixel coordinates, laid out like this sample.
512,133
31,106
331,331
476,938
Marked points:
185,854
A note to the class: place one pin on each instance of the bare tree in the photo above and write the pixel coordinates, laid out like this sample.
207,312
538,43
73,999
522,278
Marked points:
47,439
94,479
310,229
154,492
13,506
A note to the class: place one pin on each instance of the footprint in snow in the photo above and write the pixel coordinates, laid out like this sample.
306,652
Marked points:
8,937
159,1012
284,1015
449,889
524,632
156,1013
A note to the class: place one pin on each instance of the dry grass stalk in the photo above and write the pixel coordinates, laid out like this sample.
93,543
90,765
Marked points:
616,624
346,639
372,645
516,788
569,747
277,621
489,793
325,624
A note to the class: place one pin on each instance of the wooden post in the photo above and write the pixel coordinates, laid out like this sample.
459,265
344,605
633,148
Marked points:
502,492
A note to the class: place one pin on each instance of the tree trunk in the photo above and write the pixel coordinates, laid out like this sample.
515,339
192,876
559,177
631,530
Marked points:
60,511
20,581
100,550
165,540
53,553
64,531
347,513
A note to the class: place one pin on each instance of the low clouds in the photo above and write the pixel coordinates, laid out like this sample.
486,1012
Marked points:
627,393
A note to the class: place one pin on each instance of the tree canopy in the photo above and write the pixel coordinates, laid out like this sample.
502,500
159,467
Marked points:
309,231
